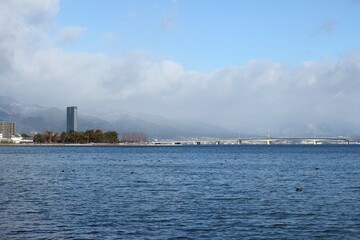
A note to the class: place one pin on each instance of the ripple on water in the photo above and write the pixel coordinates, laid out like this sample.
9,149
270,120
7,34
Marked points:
217,192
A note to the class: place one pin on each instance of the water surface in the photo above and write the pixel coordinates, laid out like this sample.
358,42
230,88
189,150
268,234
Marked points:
180,192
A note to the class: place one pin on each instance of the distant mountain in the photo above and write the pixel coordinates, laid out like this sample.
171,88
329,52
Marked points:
34,118
160,127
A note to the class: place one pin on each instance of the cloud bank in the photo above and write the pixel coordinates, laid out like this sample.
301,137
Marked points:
263,96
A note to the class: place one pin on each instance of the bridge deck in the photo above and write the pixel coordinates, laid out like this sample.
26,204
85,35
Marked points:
260,139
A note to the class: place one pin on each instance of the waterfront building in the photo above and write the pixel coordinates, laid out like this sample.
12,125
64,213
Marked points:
7,129
8,132
71,118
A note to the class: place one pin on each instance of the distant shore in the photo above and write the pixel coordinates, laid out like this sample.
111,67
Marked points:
77,144
233,141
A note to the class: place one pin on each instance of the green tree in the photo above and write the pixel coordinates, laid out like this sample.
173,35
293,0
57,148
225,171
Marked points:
77,137
111,137
63,137
38,138
99,136
95,136
90,134
24,135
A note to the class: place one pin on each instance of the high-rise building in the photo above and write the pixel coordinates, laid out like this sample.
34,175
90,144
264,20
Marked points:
7,129
71,119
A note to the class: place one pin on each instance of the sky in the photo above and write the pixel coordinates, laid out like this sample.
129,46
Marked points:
280,67
208,35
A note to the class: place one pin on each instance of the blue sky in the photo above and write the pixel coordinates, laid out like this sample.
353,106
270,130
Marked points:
207,35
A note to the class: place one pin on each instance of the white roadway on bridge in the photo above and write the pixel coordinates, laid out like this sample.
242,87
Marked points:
268,140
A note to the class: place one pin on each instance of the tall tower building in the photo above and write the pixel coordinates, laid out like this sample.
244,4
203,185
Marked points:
71,119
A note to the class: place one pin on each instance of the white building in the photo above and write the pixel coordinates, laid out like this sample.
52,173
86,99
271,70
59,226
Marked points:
8,133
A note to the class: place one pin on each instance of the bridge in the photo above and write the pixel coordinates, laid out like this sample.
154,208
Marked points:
262,140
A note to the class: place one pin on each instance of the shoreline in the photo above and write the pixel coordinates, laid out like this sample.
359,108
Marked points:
69,144
167,144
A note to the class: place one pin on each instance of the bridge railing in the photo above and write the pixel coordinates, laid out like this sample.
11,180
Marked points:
254,140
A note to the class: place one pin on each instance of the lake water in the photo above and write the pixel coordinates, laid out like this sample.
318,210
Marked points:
180,192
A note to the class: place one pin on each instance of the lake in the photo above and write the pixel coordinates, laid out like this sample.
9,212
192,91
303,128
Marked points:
180,192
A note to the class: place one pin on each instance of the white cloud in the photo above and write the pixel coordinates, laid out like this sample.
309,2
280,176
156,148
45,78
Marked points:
255,97
69,34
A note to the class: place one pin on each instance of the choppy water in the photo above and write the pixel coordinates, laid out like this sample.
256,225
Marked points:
182,192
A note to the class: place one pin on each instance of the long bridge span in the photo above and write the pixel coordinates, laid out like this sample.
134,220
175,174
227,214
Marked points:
263,140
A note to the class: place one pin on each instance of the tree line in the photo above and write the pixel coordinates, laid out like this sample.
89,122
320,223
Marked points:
89,136
134,137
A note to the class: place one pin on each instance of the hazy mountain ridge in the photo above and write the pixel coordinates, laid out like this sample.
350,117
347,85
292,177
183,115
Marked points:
34,118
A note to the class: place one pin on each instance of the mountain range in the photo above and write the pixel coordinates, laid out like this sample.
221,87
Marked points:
34,118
